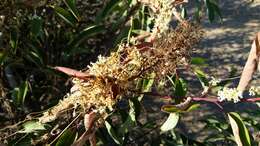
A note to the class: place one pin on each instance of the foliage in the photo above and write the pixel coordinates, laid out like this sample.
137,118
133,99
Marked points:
35,37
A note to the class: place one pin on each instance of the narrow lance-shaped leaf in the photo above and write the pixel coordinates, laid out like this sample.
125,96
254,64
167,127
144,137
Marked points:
67,138
36,25
106,10
171,122
85,33
182,107
21,93
202,78
134,111
66,15
71,4
239,129
32,126
14,40
198,61
112,133
3,56
217,9
251,64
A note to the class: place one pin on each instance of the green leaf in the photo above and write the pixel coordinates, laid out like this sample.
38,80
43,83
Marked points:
184,12
239,129
67,138
216,8
71,4
122,14
20,93
3,57
36,25
198,61
35,58
85,33
14,40
66,16
112,133
171,122
148,83
198,10
193,107
202,78
134,112
106,10
122,35
212,9
180,88
32,126
171,109
176,109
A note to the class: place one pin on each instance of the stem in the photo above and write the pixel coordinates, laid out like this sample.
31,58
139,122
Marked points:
255,99
251,99
205,99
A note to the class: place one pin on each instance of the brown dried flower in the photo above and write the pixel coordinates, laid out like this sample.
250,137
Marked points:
113,76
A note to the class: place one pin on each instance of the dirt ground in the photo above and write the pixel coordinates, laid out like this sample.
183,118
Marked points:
228,44
225,45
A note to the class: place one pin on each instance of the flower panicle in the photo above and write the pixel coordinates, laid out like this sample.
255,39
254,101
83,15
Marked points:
229,94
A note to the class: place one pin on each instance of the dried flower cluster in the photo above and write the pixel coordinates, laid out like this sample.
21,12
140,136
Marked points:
113,76
174,48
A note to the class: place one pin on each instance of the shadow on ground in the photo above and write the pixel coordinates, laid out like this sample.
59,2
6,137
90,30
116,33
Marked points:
226,45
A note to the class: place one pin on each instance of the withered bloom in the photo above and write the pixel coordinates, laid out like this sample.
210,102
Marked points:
113,76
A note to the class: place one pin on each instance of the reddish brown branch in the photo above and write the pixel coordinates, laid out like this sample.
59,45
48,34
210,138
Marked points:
255,99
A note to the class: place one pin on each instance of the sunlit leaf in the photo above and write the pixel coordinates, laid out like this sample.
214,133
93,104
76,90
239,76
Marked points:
170,109
112,133
180,88
193,107
32,126
202,78
239,129
184,13
71,4
14,40
23,90
20,93
171,122
198,61
67,138
35,58
66,16
3,57
148,83
134,112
